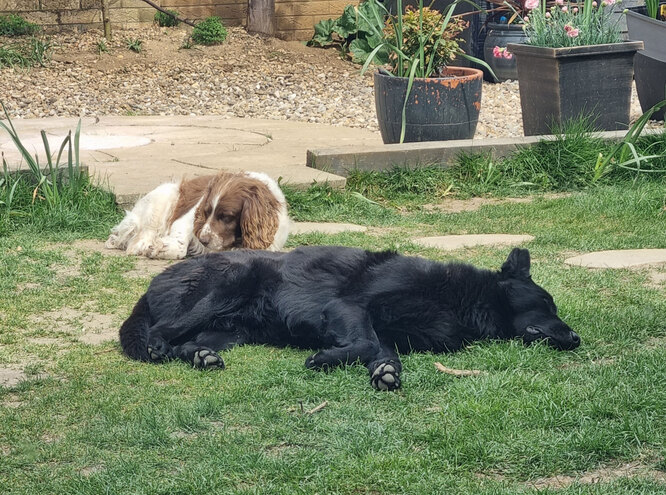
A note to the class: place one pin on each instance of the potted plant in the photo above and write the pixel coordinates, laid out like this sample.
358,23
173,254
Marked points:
504,26
421,97
574,63
648,24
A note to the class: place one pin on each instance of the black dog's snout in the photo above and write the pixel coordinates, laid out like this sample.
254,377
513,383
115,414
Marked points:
575,339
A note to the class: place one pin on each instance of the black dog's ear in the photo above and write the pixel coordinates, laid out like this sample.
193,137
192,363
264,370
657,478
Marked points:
517,265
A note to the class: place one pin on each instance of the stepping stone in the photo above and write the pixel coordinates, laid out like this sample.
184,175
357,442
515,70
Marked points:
324,228
452,242
10,377
623,258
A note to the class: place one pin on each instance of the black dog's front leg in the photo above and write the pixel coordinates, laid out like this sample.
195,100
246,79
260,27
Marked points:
385,369
348,325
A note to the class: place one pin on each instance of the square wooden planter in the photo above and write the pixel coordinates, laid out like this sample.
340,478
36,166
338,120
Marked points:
560,84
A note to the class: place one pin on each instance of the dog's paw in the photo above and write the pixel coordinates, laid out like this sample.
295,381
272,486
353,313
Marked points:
315,362
208,359
159,351
386,376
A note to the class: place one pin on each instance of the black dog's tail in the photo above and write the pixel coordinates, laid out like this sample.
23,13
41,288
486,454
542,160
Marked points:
134,332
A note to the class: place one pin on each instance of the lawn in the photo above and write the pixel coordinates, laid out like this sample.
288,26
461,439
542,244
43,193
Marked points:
86,420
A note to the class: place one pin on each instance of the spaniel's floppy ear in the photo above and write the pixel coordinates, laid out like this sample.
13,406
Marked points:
259,219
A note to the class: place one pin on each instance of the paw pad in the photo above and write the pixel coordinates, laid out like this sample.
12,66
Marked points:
157,355
205,358
385,377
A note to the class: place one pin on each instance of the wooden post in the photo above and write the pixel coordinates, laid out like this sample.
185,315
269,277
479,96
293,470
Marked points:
106,20
261,17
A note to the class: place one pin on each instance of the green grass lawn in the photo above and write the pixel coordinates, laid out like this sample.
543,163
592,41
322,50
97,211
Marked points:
86,420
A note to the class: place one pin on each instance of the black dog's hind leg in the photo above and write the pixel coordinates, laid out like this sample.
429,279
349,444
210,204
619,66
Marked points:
385,369
202,351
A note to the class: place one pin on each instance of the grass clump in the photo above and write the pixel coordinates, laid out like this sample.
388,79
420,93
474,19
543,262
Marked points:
210,31
15,25
167,19
134,44
566,163
26,53
59,197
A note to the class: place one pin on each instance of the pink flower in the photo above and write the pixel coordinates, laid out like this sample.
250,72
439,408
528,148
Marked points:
532,4
575,10
526,19
547,15
572,33
565,8
594,4
497,52
508,55
559,2
567,28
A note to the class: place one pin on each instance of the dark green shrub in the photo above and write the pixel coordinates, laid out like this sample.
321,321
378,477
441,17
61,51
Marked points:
14,25
166,20
210,31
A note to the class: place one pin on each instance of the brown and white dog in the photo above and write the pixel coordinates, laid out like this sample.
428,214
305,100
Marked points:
210,213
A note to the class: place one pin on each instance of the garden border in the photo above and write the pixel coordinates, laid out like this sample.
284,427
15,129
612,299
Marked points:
341,160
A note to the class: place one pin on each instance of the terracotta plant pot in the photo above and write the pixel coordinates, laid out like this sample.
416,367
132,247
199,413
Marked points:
438,108
561,84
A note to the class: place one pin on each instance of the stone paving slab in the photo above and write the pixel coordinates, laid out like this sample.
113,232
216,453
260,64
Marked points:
324,227
453,242
626,258
133,155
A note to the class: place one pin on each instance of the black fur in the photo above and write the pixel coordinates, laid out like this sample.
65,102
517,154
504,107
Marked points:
352,304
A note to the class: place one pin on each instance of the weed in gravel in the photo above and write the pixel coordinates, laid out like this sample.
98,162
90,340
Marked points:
102,47
210,31
15,25
26,53
134,44
168,19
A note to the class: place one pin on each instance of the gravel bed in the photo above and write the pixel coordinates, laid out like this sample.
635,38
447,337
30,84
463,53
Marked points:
247,76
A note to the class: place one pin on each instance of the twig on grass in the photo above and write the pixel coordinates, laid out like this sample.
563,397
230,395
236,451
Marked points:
451,371
318,408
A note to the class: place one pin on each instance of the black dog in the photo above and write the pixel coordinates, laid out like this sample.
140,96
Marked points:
353,304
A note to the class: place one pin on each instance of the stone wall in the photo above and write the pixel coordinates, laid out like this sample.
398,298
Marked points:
294,18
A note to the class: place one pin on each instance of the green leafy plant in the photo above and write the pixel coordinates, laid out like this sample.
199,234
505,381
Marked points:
652,7
169,19
49,184
438,48
418,42
11,55
40,50
102,47
210,31
26,53
135,45
571,24
14,25
357,32
625,155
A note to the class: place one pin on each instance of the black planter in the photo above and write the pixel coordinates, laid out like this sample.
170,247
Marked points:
501,35
561,84
650,31
438,109
650,82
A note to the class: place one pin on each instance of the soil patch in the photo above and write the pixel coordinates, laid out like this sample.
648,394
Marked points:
10,377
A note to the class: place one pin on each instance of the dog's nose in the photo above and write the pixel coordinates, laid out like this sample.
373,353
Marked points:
575,339
204,239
